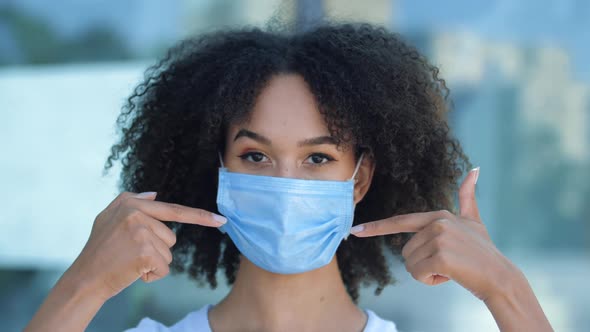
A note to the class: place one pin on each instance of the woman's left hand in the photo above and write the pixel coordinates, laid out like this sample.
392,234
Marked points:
447,246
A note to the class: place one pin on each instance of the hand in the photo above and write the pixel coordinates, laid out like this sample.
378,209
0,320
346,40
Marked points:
129,241
447,246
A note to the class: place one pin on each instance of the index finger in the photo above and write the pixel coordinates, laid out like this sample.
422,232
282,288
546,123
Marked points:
402,223
164,211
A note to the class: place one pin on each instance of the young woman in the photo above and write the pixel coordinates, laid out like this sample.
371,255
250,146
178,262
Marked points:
294,138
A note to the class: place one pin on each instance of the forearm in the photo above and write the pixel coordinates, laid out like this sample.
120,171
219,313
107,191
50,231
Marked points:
70,306
516,308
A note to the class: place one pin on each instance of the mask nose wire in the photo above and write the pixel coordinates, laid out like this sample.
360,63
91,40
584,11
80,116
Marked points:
220,159
358,165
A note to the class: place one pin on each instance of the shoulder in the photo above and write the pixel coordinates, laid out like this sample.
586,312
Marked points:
376,323
195,321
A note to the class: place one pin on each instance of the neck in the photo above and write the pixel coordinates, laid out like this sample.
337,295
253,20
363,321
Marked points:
265,301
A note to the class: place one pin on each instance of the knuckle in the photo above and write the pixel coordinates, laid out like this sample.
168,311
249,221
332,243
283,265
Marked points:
440,225
128,222
369,227
145,257
408,248
140,235
151,277
403,217
133,216
172,239
440,242
446,214
373,227
161,271
120,200
125,197
178,211
203,214
126,204
405,251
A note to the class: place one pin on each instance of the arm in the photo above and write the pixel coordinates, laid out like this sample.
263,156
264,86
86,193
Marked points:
128,241
447,247
516,308
70,306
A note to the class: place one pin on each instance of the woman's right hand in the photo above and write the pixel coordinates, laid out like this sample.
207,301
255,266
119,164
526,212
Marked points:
129,241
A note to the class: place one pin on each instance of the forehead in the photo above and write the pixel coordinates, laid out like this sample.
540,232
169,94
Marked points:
285,110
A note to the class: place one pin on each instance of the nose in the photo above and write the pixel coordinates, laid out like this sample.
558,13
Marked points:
287,170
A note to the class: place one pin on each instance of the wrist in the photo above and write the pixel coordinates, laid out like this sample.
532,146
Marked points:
507,289
80,285
506,283
514,304
70,305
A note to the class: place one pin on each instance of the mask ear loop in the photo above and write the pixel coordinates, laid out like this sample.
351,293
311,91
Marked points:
220,159
358,165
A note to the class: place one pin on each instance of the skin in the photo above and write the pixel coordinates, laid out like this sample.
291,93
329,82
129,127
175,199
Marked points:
284,117
445,246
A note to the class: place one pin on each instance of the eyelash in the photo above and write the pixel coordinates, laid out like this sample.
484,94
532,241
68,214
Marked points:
328,158
322,155
249,154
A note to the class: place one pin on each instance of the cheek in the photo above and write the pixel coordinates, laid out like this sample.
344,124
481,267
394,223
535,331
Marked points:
228,160
231,163
342,169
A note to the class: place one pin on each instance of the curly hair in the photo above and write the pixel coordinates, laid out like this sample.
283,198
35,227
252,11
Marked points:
374,91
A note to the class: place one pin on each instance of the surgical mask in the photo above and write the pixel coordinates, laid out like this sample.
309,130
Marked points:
285,225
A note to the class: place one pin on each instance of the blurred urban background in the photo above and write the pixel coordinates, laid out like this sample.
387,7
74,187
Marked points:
519,80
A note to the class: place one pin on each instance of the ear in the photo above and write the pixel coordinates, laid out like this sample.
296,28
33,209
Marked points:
363,178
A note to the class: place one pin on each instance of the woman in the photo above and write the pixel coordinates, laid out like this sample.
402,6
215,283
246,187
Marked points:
294,138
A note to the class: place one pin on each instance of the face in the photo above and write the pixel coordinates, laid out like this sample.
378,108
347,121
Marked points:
286,136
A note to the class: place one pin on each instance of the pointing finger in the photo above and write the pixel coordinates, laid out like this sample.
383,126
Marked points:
403,223
179,213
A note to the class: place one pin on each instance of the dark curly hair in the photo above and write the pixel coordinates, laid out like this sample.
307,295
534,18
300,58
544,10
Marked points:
374,91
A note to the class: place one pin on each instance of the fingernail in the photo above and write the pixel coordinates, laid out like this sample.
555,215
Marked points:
220,219
357,229
146,194
476,170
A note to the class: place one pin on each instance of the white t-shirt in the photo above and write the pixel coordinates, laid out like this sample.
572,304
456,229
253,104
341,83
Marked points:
197,321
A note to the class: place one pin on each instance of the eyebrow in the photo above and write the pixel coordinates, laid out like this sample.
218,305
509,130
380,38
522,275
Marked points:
264,140
252,135
317,141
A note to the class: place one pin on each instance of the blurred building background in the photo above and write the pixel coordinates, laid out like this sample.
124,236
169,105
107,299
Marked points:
519,79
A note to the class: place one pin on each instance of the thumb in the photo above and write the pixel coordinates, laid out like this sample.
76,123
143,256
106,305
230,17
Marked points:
467,202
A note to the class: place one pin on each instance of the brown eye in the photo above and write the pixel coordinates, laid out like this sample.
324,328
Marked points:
255,157
319,159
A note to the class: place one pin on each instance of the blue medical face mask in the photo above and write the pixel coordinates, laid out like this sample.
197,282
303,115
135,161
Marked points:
286,225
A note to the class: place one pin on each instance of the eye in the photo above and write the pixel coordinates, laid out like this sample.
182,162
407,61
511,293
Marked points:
318,159
255,157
